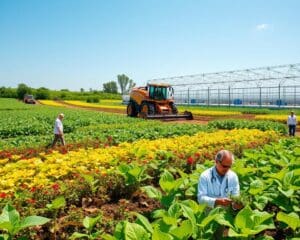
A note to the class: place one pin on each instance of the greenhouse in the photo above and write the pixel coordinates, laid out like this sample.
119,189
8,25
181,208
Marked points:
273,86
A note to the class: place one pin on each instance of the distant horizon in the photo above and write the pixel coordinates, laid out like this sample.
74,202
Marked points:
83,44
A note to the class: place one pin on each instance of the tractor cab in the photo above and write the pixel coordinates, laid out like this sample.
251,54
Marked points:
160,92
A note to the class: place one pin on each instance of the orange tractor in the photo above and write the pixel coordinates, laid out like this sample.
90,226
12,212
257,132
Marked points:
155,101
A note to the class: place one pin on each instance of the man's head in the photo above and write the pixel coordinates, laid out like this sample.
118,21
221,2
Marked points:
224,160
61,116
292,113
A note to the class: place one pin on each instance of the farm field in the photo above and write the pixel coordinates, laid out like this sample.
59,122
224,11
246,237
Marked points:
129,178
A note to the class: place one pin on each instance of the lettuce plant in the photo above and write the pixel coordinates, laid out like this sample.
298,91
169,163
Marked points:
247,223
12,224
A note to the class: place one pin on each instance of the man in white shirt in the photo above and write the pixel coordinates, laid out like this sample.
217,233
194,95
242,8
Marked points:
59,130
292,122
218,183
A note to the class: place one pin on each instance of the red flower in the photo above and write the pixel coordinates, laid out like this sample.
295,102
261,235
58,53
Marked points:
55,186
3,195
31,200
33,189
190,161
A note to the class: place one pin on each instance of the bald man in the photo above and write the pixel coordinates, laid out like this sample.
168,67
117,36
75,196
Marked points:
219,182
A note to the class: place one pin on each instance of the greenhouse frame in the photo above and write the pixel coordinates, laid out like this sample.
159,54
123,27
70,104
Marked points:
273,86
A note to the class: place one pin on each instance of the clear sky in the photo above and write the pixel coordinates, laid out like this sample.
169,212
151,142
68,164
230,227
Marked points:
84,43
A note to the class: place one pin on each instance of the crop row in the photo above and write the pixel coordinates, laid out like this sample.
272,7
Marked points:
45,169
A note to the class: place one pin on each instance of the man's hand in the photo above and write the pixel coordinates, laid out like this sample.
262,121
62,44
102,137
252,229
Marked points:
236,206
223,202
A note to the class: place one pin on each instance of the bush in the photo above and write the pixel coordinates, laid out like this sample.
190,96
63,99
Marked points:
92,100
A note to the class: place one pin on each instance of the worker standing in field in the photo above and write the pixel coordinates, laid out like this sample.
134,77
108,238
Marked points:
218,183
59,130
292,122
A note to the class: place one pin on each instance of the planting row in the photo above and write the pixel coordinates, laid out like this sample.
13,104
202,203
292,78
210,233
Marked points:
46,169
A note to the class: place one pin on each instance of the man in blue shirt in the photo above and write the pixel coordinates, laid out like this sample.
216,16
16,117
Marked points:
218,183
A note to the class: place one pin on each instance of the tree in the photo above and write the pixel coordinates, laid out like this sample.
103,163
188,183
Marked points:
110,87
42,93
22,90
8,92
125,83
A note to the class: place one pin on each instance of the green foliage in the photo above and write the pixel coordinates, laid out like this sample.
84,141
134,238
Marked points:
42,93
24,125
8,92
89,224
57,203
133,174
22,90
125,83
237,124
247,222
291,219
11,222
110,87
93,100
92,182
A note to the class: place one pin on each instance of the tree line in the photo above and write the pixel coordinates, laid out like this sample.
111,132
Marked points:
110,91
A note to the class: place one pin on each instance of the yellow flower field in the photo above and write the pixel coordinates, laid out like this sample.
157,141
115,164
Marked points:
277,118
51,103
46,169
95,105
210,113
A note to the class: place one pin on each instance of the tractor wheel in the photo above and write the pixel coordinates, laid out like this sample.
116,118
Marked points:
144,110
174,108
151,110
131,110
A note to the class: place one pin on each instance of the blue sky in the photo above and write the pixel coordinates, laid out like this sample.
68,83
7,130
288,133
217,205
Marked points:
84,43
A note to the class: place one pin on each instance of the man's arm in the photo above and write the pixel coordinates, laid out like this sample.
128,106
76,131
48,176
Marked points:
202,195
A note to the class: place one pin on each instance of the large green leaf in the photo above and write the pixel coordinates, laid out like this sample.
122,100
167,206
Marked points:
57,203
9,214
252,222
167,182
89,222
189,214
170,220
256,187
243,219
152,192
9,219
291,219
184,231
135,231
143,221
225,219
174,210
33,221
77,235
158,235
